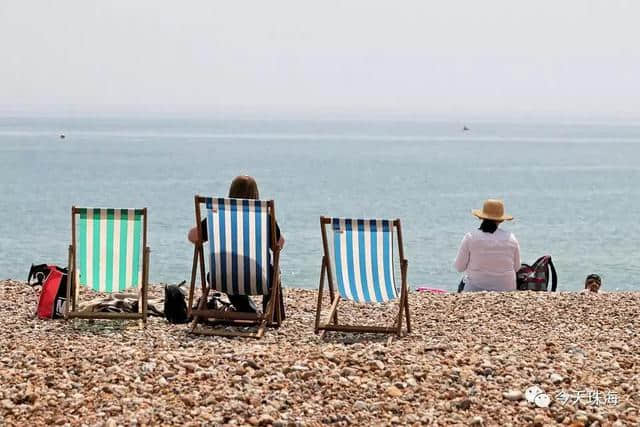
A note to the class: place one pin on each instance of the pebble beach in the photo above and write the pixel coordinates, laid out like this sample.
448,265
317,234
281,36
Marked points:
469,360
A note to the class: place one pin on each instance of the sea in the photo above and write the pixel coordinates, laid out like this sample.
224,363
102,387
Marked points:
573,187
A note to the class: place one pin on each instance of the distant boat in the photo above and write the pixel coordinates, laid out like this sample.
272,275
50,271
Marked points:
465,129
62,136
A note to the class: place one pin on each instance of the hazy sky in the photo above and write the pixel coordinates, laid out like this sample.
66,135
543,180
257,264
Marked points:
426,57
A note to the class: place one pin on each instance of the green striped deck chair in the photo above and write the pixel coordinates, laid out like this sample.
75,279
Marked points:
358,258
108,253
242,258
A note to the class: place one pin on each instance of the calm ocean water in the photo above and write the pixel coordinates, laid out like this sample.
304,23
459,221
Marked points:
573,188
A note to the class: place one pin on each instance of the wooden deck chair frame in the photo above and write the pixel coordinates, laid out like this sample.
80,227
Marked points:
231,318
71,309
332,318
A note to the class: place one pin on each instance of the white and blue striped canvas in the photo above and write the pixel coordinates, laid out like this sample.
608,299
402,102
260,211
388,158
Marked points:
239,237
363,259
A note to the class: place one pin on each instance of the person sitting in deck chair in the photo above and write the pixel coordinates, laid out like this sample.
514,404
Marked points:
489,256
242,187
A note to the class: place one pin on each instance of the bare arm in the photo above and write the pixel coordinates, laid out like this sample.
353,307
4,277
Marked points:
193,235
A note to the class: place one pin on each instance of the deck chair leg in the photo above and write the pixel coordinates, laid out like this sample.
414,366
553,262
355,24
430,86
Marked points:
74,292
320,292
266,317
195,320
145,285
332,311
273,306
326,264
406,311
280,304
263,325
201,306
73,289
205,288
405,289
261,329
403,296
332,295
192,285
69,282
400,311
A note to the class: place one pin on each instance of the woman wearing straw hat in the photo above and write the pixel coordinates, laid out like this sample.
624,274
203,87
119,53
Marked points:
489,256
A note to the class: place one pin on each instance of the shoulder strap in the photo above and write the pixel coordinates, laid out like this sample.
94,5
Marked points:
554,277
539,260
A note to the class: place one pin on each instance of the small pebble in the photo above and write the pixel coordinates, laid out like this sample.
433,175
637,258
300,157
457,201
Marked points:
513,395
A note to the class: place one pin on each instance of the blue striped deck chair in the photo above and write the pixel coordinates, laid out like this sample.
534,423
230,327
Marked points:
241,258
358,259
109,254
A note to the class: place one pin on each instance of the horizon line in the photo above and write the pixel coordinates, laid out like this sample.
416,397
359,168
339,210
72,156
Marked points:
320,114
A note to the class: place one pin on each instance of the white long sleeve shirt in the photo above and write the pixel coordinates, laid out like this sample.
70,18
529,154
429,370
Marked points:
489,260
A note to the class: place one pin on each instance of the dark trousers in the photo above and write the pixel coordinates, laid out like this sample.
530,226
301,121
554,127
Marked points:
243,303
461,286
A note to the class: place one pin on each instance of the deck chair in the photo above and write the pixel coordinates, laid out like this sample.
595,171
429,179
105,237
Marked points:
108,253
240,247
358,256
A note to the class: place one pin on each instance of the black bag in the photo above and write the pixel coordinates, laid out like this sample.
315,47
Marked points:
535,277
175,306
53,294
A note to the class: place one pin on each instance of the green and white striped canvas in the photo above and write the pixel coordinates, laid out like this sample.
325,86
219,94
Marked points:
109,248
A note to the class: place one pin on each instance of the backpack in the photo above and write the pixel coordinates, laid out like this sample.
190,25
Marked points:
53,296
535,277
175,306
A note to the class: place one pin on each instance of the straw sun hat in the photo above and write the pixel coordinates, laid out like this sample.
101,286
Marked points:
492,209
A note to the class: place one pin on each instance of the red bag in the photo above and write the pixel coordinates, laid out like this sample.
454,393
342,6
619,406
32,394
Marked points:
53,295
535,277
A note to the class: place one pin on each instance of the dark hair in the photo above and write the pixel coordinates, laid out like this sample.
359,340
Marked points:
488,226
244,187
593,277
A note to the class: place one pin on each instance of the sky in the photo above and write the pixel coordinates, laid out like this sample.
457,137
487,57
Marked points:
295,56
